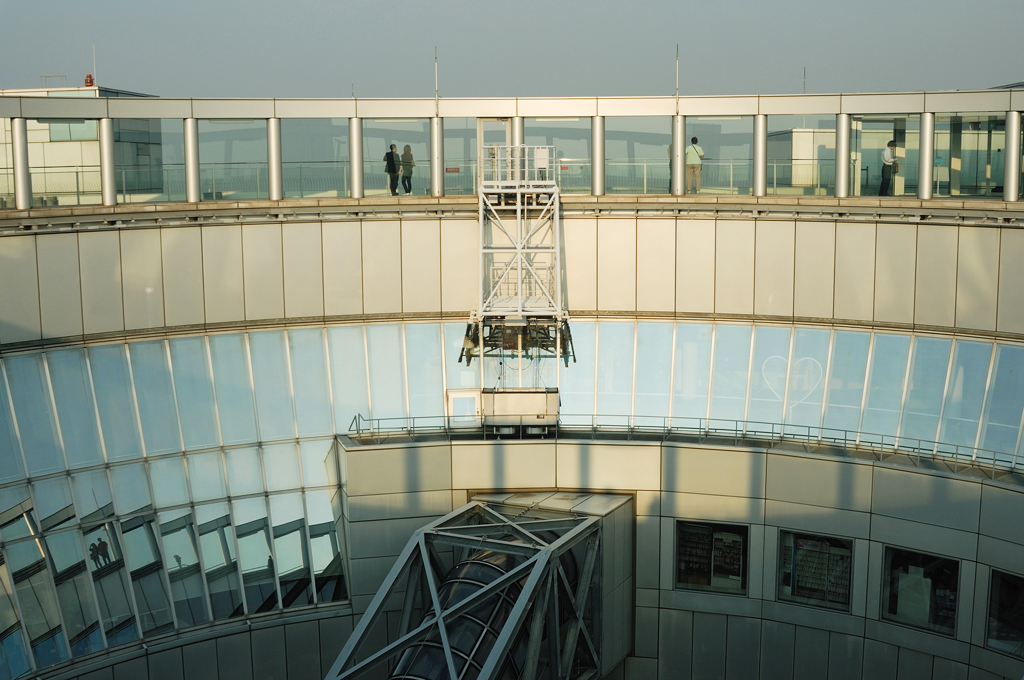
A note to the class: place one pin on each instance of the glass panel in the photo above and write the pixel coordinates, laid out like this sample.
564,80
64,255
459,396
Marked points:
576,386
711,557
319,465
113,383
653,373
309,376
458,374
178,536
156,397
324,518
1005,401
92,495
31,577
34,411
969,155
244,473
314,157
217,543
142,553
234,390
411,138
807,380
729,381
69,375
637,153
387,384
692,373
74,594
348,375
460,156
423,357
11,467
1005,631
14,661
53,503
872,172
67,174
172,489
924,391
801,155
291,549
719,154
282,467
131,489
920,590
885,386
961,414
253,529
571,139
233,159
194,390
206,473
111,583
815,570
273,388
615,353
846,382
768,377
150,160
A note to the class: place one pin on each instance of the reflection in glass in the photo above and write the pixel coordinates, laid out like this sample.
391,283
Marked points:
206,474
768,377
53,502
291,549
969,157
885,386
314,155
150,158
615,353
244,473
233,159
801,155
423,358
324,513
711,557
178,535
729,380
30,573
273,387
31,398
194,391
111,583
1006,614
1005,401
653,373
234,392
458,375
460,156
131,489
281,467
92,494
252,528
77,605
815,570
309,376
846,381
319,463
692,371
72,393
920,590
924,390
348,375
807,378
961,413
172,488
218,547
869,137
11,467
637,152
156,398
387,385
14,661
576,386
571,139
727,143
378,135
113,384
142,554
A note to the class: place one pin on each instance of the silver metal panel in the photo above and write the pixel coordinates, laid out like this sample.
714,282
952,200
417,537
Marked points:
648,544
774,253
263,271
729,472
355,157
924,537
395,108
193,190
302,643
148,107
314,108
704,507
656,275
810,658
914,665
842,160
883,103
817,482
962,102
935,295
10,107
855,271
275,181
734,266
573,107
977,278
676,171
64,107
695,266
606,466
895,265
223,290
477,108
845,656
182,249
108,179
808,104
101,281
580,246
597,155
268,652
949,502
399,470
342,268
616,264
1017,100
743,650
717,106
303,269
760,162
675,644
636,106
1011,282
20,157
399,505
60,294
997,504
460,268
232,108
926,155
381,538
880,660
19,314
382,267
503,465
421,266
437,157
142,278
777,649
1011,162
709,645
817,519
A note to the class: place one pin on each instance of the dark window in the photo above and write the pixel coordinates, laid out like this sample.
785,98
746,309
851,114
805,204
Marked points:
711,557
920,590
1006,614
815,570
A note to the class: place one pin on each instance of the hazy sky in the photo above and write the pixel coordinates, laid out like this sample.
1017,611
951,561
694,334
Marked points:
309,48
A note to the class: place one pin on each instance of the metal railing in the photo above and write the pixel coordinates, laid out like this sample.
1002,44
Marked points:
669,428
507,167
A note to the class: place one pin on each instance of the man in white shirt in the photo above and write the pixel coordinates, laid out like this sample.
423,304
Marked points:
693,155
888,165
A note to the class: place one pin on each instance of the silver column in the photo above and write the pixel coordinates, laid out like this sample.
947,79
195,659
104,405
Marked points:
760,155
275,171
108,169
676,155
1011,167
193,191
926,155
22,177
842,155
437,157
355,157
518,131
597,155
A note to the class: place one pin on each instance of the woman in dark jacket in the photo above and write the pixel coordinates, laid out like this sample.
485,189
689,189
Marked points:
407,165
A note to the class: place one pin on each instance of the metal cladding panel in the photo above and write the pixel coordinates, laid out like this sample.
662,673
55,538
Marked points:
774,252
302,643
421,265
533,108
880,660
263,271
819,483
695,266
166,665
777,648
477,108
200,660
1011,282
717,106
734,266
743,650
616,264
395,108
315,108
636,106
580,263
855,271
101,282
735,473
935,302
996,505
64,107
399,505
268,655
606,466
502,465
709,645
234,657
1017,100
222,274
675,644
656,264
182,250
19,314
914,665
382,270
334,633
460,265
303,269
10,107
798,104
342,268
60,294
977,278
149,107
928,498
962,102
232,108
374,471
883,103
895,272
142,278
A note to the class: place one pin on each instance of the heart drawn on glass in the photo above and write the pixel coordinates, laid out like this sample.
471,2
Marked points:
804,377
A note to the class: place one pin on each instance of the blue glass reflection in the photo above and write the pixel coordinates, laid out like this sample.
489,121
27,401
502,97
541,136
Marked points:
423,358
11,467
194,390
309,376
885,386
387,384
928,370
273,387
692,371
961,414
155,393
614,372
348,375
729,379
115,401
69,375
806,387
234,390
768,374
31,394
1005,401
576,381
846,381
653,373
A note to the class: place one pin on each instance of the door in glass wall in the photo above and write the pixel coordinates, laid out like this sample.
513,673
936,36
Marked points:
884,155
969,155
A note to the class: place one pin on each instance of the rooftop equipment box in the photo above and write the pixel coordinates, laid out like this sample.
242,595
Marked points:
520,406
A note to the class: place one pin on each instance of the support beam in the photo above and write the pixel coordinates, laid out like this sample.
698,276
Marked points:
842,155
678,170
193,191
926,155
518,131
597,155
355,157
108,169
437,157
1011,167
22,176
760,187
275,170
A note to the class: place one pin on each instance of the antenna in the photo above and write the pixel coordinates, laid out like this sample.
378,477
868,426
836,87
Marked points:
805,80
94,61
677,73
353,90
437,110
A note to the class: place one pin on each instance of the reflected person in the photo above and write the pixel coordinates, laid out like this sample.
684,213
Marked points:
393,168
407,165
94,555
889,167
694,160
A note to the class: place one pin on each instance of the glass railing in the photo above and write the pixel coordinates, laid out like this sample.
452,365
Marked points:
725,176
66,185
637,176
801,178
233,181
316,179
572,175
375,180
6,188
150,184
460,177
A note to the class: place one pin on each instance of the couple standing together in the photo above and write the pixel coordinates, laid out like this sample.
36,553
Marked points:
396,166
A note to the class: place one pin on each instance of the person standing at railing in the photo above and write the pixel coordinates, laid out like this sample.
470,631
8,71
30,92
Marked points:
889,167
393,168
694,155
407,165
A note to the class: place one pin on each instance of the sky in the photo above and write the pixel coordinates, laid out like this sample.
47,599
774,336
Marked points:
385,48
